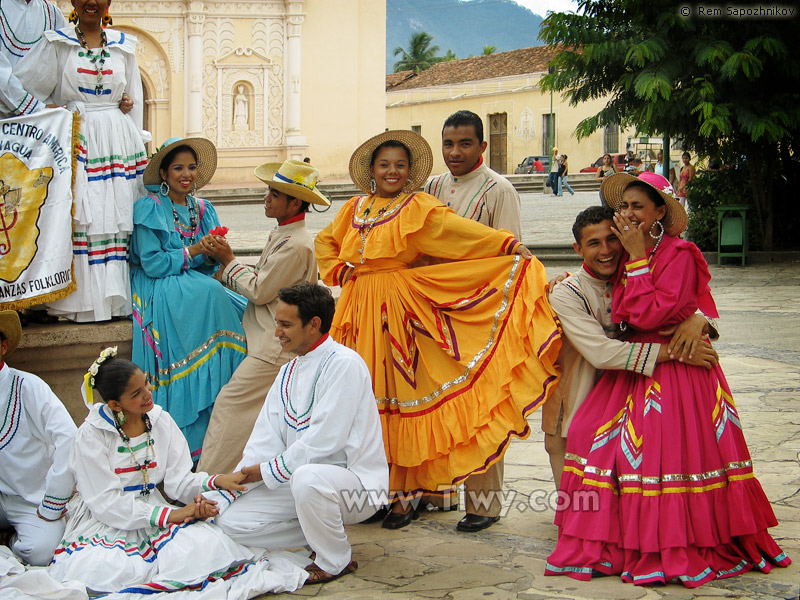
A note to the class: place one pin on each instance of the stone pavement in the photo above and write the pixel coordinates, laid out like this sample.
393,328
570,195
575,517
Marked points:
760,321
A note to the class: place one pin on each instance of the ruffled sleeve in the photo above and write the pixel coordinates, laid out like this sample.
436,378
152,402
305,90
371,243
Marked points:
327,246
39,71
151,246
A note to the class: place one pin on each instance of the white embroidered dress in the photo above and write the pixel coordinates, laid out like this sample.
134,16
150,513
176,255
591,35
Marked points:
119,540
57,70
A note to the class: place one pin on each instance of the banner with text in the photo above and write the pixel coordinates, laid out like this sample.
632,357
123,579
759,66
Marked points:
36,166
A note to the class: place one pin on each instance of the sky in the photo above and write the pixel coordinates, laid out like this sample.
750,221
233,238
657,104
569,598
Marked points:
540,7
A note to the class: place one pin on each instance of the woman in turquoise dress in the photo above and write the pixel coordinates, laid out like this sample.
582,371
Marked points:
187,327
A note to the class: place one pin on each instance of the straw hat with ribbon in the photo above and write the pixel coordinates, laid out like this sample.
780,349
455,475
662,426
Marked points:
206,161
675,220
294,178
421,158
12,330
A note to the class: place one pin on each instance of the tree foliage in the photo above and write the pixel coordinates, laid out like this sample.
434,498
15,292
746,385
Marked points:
727,87
487,50
419,56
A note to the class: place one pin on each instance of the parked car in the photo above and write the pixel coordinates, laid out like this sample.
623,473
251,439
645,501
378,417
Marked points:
526,166
618,160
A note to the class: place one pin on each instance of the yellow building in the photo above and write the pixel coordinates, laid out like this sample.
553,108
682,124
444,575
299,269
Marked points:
504,89
265,80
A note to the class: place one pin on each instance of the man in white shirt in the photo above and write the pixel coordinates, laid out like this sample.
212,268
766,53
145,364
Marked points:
36,434
22,23
316,452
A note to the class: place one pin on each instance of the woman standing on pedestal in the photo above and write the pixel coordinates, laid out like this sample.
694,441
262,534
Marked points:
93,71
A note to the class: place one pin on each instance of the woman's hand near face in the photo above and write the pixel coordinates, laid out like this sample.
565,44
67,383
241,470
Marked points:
632,237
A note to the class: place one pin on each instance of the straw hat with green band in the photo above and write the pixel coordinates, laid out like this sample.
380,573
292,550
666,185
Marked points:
293,178
10,327
206,160
675,220
421,158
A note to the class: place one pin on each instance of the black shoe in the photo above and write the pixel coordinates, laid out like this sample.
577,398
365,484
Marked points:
379,515
399,520
472,523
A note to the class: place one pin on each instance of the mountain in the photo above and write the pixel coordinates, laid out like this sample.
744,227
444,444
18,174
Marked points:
463,27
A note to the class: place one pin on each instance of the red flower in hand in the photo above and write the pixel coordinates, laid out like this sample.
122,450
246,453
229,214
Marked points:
219,230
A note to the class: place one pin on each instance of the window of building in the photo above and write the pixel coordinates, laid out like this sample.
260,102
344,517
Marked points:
417,129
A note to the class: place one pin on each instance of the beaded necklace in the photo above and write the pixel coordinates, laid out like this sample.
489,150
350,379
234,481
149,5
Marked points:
365,224
150,453
98,60
189,231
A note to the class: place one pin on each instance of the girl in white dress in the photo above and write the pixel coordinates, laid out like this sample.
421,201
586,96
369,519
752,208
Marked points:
122,534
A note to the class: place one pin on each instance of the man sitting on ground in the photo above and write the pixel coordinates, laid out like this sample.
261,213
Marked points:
316,451
36,435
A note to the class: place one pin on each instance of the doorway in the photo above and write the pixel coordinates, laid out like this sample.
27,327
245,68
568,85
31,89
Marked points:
498,141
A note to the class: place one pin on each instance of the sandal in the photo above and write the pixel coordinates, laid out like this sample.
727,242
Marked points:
317,575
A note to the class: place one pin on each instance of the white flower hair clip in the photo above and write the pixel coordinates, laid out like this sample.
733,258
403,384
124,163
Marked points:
87,389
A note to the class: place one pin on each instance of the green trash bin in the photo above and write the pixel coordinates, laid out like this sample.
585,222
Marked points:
732,232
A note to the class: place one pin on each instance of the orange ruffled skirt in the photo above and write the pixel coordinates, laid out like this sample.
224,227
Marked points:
457,366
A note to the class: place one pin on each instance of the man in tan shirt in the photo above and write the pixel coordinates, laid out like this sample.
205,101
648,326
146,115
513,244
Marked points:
287,259
591,341
476,192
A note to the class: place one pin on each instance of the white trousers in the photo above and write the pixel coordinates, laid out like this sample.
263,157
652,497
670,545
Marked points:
311,510
35,539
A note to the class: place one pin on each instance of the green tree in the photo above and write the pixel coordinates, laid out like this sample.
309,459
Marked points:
420,54
487,50
449,56
727,87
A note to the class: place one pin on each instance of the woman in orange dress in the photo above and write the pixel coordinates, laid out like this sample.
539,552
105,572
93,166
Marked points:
460,352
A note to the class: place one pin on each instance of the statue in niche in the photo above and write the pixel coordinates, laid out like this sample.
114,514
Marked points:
241,110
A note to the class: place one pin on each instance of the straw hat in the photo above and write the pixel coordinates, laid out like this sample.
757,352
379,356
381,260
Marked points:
675,220
295,178
206,160
11,328
421,158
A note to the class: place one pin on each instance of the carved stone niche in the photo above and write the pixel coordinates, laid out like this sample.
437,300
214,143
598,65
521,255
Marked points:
242,72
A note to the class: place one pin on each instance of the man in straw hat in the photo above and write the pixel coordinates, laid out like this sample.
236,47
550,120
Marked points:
592,341
476,192
287,259
36,435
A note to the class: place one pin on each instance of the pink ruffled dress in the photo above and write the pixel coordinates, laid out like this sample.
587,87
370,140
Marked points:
658,475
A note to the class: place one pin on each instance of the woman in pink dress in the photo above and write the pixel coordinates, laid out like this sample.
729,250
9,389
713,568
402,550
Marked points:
658,477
